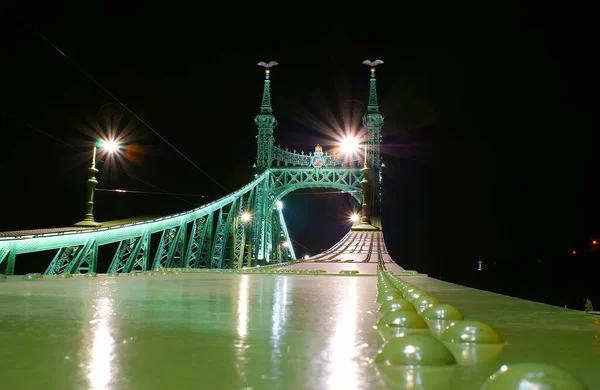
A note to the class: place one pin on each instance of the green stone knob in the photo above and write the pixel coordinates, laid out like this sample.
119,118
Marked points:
442,311
525,376
414,350
470,332
402,319
396,304
388,296
424,302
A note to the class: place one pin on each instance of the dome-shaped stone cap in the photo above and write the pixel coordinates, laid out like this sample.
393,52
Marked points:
532,376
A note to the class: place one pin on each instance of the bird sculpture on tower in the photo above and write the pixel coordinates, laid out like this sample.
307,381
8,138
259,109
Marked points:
269,65
372,63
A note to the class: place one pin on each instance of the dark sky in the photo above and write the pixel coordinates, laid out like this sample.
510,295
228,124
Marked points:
489,138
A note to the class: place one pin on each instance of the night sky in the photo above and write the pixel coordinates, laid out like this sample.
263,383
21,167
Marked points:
489,139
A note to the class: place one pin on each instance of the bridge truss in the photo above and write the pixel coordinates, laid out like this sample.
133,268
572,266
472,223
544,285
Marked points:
242,229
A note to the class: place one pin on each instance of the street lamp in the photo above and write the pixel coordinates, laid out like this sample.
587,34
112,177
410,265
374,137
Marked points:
246,217
88,219
354,217
350,145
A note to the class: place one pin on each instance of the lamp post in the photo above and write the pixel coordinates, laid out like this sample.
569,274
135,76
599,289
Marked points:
364,222
88,218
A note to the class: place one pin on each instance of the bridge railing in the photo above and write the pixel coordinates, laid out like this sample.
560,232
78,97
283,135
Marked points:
287,158
78,247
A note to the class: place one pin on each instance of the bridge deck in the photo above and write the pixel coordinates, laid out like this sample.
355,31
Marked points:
357,250
257,331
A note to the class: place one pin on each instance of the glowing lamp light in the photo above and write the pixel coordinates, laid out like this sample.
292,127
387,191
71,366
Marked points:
279,205
349,145
574,252
306,257
285,244
246,217
110,145
594,242
354,217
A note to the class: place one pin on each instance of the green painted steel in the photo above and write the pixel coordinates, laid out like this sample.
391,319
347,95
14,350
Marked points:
74,259
286,235
219,237
171,249
131,255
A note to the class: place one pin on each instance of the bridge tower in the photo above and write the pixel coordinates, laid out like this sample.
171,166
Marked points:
373,121
262,237
266,123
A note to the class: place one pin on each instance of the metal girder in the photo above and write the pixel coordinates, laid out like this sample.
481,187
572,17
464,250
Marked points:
258,221
206,248
286,234
222,237
171,248
200,239
275,237
228,243
7,260
86,262
70,258
40,241
247,254
286,180
239,234
131,255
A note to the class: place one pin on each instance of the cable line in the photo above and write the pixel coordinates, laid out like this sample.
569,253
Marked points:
118,101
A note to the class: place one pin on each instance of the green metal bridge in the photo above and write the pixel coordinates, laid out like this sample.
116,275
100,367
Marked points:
226,304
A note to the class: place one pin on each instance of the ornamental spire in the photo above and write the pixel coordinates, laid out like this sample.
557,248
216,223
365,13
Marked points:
265,107
373,106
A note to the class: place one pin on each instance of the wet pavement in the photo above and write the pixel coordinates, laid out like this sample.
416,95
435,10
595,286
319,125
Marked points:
258,331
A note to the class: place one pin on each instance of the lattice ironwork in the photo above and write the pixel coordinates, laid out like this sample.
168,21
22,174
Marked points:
219,257
286,158
69,259
131,255
218,238
199,242
171,248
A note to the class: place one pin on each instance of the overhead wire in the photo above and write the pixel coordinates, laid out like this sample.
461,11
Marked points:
79,150
145,192
297,243
119,101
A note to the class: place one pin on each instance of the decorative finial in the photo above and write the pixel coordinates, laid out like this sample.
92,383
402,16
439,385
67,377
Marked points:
373,105
265,107
372,64
267,67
